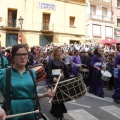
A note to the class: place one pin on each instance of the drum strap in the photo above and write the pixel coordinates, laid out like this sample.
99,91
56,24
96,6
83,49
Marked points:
2,60
8,98
40,115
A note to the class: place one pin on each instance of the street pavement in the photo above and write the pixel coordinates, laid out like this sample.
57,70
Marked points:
89,107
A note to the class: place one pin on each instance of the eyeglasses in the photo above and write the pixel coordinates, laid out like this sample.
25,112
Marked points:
21,54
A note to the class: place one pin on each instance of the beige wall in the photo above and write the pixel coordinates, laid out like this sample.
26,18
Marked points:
32,16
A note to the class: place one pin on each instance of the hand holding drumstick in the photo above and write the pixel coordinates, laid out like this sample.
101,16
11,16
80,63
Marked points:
56,86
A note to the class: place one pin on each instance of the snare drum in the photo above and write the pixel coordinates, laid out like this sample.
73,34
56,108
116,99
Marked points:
106,75
40,72
84,72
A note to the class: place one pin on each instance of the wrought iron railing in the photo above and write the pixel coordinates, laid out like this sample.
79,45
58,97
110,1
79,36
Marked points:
77,1
11,23
109,1
47,26
99,17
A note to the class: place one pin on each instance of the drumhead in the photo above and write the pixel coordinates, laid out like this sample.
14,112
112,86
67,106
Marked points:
36,68
84,70
106,73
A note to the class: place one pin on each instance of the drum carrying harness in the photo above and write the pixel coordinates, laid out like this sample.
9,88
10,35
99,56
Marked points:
2,60
8,98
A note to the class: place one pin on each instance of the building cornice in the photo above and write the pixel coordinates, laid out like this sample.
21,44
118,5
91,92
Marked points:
98,20
39,32
78,2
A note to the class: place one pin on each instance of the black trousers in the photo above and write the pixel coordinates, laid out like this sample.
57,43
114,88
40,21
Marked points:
58,110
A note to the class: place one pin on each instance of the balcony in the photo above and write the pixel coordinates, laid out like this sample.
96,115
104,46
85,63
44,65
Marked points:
47,27
106,18
94,1
11,22
73,1
99,17
106,2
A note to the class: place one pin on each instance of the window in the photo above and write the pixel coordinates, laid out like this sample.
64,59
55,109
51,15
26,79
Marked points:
12,16
11,39
92,9
45,40
72,21
46,21
96,30
118,22
104,11
118,2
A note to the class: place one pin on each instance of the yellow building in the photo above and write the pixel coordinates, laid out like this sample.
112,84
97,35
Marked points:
45,21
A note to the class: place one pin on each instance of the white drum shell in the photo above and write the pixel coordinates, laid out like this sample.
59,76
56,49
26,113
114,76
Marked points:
106,75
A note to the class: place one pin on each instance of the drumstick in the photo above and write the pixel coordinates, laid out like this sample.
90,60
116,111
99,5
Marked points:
21,114
55,87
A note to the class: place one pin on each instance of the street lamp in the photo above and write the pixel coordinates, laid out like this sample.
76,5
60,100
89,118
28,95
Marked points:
21,22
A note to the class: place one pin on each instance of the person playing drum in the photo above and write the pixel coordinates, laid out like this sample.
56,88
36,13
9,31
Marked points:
96,63
22,92
76,63
109,67
116,95
56,65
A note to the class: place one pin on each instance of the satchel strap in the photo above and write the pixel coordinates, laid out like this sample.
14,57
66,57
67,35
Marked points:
8,87
2,60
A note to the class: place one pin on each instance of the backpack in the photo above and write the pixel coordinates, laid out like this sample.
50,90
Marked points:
8,99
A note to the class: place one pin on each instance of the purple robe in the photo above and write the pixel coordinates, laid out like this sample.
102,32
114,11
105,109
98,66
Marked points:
96,85
116,94
76,60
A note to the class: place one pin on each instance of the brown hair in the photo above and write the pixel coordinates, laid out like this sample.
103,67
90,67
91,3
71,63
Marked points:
110,58
16,47
54,52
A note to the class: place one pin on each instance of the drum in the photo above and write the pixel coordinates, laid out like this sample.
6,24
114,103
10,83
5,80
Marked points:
106,75
84,72
69,89
40,72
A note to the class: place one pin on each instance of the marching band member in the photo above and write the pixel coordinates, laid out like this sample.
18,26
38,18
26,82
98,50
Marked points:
30,61
96,63
76,63
55,63
22,92
3,59
109,67
116,95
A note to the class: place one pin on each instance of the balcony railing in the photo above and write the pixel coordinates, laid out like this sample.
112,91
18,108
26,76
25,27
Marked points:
47,26
95,0
11,23
109,1
99,17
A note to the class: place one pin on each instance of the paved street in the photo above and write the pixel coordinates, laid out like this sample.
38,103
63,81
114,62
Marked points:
89,107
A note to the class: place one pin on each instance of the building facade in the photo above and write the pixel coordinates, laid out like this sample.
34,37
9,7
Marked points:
45,21
116,18
99,23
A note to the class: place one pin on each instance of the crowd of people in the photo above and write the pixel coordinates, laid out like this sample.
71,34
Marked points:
70,59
